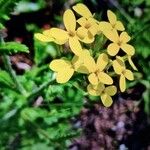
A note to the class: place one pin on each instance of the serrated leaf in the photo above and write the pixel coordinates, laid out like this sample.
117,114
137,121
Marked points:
6,8
13,47
5,79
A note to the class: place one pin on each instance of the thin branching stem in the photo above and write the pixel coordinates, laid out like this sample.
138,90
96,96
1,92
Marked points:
11,72
37,91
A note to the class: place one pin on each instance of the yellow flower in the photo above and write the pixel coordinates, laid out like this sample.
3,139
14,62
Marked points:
113,23
69,35
96,70
80,61
119,42
46,37
104,92
65,69
82,10
120,69
90,27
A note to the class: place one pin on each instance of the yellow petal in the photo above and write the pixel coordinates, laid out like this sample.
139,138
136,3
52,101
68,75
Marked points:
75,45
43,38
120,60
94,29
106,100
113,49
112,35
122,83
82,32
59,35
80,61
89,38
58,64
119,26
128,74
131,63
64,75
49,35
93,79
102,61
69,20
105,78
100,88
129,49
104,26
111,90
89,62
82,69
82,21
92,91
111,17
124,37
118,66
82,10
95,90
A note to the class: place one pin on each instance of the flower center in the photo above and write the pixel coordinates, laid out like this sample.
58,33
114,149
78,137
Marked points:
119,43
87,25
71,33
113,25
123,71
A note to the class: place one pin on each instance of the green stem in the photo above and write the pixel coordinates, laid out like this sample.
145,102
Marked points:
12,73
7,63
39,89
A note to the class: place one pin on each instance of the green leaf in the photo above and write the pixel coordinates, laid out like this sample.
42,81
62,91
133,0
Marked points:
13,47
6,7
5,79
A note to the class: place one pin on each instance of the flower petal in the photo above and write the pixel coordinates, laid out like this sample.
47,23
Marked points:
105,78
119,26
82,32
64,75
92,90
59,35
128,74
89,38
89,62
82,10
113,49
111,17
82,21
112,35
57,64
102,61
124,37
122,83
104,26
43,38
69,20
131,63
106,100
129,49
111,90
75,45
93,79
94,29
118,66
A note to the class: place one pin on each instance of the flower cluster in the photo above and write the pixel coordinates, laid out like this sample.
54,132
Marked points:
98,66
